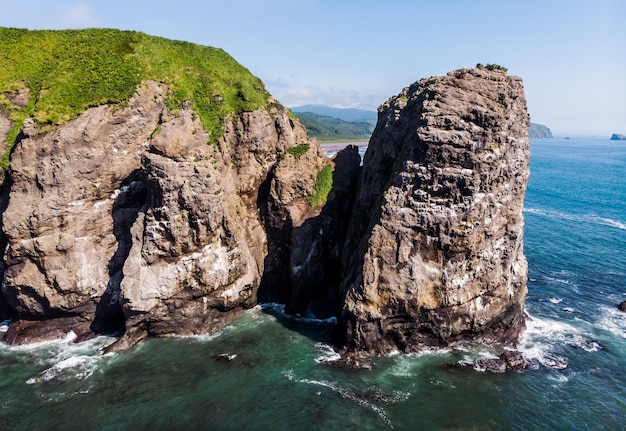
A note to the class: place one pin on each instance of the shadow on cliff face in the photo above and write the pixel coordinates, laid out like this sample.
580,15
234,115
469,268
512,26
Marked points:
5,311
379,164
109,317
303,265
318,244
274,285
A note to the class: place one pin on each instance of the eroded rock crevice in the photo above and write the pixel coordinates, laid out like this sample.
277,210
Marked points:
130,200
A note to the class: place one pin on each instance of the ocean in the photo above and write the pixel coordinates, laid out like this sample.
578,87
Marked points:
268,371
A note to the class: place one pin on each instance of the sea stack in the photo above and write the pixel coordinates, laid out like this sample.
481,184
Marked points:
437,229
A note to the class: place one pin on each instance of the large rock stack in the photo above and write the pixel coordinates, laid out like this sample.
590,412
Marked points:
437,226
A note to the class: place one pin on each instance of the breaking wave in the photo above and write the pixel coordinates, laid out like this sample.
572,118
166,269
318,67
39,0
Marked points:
613,320
62,360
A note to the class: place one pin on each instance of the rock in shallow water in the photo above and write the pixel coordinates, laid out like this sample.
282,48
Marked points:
509,360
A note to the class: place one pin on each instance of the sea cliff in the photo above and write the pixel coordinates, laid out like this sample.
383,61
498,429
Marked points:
132,217
190,195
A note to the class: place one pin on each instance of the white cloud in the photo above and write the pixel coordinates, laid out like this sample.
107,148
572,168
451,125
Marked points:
291,94
80,16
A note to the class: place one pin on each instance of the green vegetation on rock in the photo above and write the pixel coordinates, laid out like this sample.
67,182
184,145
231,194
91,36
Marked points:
323,186
298,150
69,71
493,67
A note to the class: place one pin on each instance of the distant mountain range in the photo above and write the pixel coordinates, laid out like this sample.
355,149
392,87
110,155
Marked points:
345,114
328,124
350,124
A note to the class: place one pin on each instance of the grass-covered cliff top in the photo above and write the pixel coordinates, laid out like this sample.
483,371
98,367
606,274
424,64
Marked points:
69,71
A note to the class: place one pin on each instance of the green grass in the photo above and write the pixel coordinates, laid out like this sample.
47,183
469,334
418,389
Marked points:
69,71
323,186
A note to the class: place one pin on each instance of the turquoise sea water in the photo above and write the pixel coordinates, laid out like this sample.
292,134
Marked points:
270,372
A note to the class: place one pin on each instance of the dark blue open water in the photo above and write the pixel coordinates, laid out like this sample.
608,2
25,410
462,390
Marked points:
279,377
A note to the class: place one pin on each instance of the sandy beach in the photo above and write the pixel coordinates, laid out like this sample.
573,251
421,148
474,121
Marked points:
338,146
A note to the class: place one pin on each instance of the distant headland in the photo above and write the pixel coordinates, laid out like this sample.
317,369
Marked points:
618,137
539,131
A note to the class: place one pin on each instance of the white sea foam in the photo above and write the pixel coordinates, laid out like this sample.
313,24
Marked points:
555,300
610,222
62,359
542,336
328,353
61,396
613,320
402,368
559,378
202,337
348,394
364,400
74,367
442,384
472,357
558,280
585,218
289,374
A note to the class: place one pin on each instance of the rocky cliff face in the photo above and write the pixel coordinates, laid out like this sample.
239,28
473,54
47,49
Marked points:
437,226
126,219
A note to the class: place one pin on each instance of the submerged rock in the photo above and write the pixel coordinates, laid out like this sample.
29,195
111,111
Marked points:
622,306
509,360
436,232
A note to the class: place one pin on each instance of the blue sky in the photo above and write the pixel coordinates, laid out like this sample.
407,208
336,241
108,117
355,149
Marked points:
357,53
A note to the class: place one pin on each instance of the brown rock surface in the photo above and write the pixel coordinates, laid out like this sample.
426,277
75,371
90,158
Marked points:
126,219
437,227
